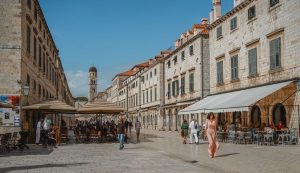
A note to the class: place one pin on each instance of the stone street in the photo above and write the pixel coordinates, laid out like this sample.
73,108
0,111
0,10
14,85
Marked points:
158,152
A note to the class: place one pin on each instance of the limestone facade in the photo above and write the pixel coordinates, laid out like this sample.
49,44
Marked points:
257,43
28,55
186,79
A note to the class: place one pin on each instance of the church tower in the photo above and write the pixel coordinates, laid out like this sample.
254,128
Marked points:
92,83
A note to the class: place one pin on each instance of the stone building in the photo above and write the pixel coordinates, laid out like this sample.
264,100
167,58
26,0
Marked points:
152,93
186,74
255,64
29,56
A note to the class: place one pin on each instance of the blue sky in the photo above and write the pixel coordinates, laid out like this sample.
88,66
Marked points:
114,35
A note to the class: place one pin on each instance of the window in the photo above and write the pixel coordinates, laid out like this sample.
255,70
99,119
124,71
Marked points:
234,68
220,72
150,94
39,92
191,85
35,13
29,4
155,72
34,86
182,55
147,96
175,88
169,90
252,57
219,32
28,38
136,99
273,2
191,50
28,80
233,23
275,53
182,87
169,64
155,93
175,60
40,56
151,74
251,12
34,49
143,97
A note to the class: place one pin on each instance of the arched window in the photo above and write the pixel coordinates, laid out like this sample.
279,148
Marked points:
255,117
279,114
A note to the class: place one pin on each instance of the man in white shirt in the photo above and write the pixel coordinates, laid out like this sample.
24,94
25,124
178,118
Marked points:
193,131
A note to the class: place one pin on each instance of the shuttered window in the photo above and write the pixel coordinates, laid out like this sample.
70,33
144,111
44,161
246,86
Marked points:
28,39
169,90
275,53
220,72
182,88
191,80
234,68
251,12
252,57
233,23
175,88
219,32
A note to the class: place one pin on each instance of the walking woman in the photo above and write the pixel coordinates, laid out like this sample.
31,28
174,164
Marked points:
211,130
184,130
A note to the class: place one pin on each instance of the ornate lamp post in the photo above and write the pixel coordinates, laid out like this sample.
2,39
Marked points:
25,92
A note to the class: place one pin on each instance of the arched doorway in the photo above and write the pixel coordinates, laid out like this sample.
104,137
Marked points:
255,117
279,114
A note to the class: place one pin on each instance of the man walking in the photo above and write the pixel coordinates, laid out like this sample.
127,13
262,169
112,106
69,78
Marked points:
121,132
137,129
193,131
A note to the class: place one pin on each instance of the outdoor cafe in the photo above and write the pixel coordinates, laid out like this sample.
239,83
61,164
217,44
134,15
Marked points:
264,115
54,110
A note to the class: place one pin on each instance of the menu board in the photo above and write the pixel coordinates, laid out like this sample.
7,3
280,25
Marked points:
9,116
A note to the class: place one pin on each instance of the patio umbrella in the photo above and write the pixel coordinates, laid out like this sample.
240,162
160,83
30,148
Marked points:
100,107
52,106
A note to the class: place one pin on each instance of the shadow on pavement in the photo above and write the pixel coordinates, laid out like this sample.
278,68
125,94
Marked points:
33,150
9,169
225,155
143,138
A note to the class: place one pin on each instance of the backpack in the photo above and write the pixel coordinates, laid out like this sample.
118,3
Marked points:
195,126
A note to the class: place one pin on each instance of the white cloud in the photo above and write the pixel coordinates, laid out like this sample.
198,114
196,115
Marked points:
78,83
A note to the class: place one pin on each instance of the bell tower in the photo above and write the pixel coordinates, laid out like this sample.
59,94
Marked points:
92,83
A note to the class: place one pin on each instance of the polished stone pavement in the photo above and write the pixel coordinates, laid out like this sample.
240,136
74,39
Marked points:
158,152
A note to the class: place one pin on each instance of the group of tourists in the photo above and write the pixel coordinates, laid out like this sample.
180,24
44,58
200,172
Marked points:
192,131
47,134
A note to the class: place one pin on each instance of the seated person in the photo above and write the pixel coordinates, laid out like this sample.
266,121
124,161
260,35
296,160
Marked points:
51,138
280,125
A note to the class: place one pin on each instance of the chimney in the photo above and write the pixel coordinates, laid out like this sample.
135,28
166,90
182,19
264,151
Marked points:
217,9
204,21
211,16
237,2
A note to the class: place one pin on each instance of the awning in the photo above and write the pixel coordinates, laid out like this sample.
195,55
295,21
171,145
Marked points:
235,101
100,107
51,106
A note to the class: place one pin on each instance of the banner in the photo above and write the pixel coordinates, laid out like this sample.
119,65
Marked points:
9,116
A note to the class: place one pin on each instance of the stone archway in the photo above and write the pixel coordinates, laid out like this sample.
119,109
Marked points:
279,114
255,117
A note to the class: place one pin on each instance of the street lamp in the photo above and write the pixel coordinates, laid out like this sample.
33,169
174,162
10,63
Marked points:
25,91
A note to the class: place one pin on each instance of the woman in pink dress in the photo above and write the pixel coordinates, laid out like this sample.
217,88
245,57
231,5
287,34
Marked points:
211,130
